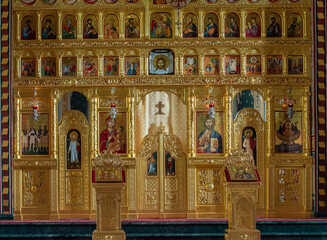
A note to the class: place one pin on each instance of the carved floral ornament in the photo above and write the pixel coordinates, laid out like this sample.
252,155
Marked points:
107,158
239,157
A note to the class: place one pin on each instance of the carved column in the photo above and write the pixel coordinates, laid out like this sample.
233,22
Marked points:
79,26
121,26
100,29
243,24
306,117
59,26
39,27
284,20
270,121
147,20
142,27
18,25
228,118
53,122
191,122
263,23
201,24
17,125
222,24
131,132
94,123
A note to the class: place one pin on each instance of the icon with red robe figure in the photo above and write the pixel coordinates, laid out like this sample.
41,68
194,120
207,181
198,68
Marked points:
112,139
249,142
170,164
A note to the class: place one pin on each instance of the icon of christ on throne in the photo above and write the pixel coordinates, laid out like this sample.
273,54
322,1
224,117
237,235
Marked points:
209,141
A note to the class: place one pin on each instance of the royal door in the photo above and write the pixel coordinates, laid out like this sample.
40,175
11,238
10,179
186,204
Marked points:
162,177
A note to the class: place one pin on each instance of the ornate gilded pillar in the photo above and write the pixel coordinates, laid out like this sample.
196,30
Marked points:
201,62
222,24
53,133
142,27
243,24
229,118
270,122
263,64
201,24
79,26
305,25
17,105
100,29
100,59
59,26
121,63
191,122
143,63
131,121
94,122
284,29
307,125
263,22
18,72
121,26
79,63
38,63
39,27
147,20
18,26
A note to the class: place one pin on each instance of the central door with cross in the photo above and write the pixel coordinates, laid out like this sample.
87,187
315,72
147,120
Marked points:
162,176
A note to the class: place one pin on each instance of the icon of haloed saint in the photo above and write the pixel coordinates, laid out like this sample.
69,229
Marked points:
112,139
250,142
161,64
89,30
28,32
74,150
242,174
209,141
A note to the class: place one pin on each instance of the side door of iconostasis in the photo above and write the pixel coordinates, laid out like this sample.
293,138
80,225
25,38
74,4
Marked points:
248,132
74,160
162,176
207,147
34,166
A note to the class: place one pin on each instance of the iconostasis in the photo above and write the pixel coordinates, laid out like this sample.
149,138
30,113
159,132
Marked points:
250,59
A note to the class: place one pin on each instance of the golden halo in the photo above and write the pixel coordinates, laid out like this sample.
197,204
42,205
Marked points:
136,20
71,18
288,124
72,133
25,19
161,56
191,16
248,130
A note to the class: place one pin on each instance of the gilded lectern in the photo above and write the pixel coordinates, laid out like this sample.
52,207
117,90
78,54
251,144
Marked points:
109,182
242,188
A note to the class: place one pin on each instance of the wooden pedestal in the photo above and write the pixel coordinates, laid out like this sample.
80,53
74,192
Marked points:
108,200
241,198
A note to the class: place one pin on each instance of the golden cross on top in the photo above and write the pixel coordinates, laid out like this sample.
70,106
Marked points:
161,127
160,106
